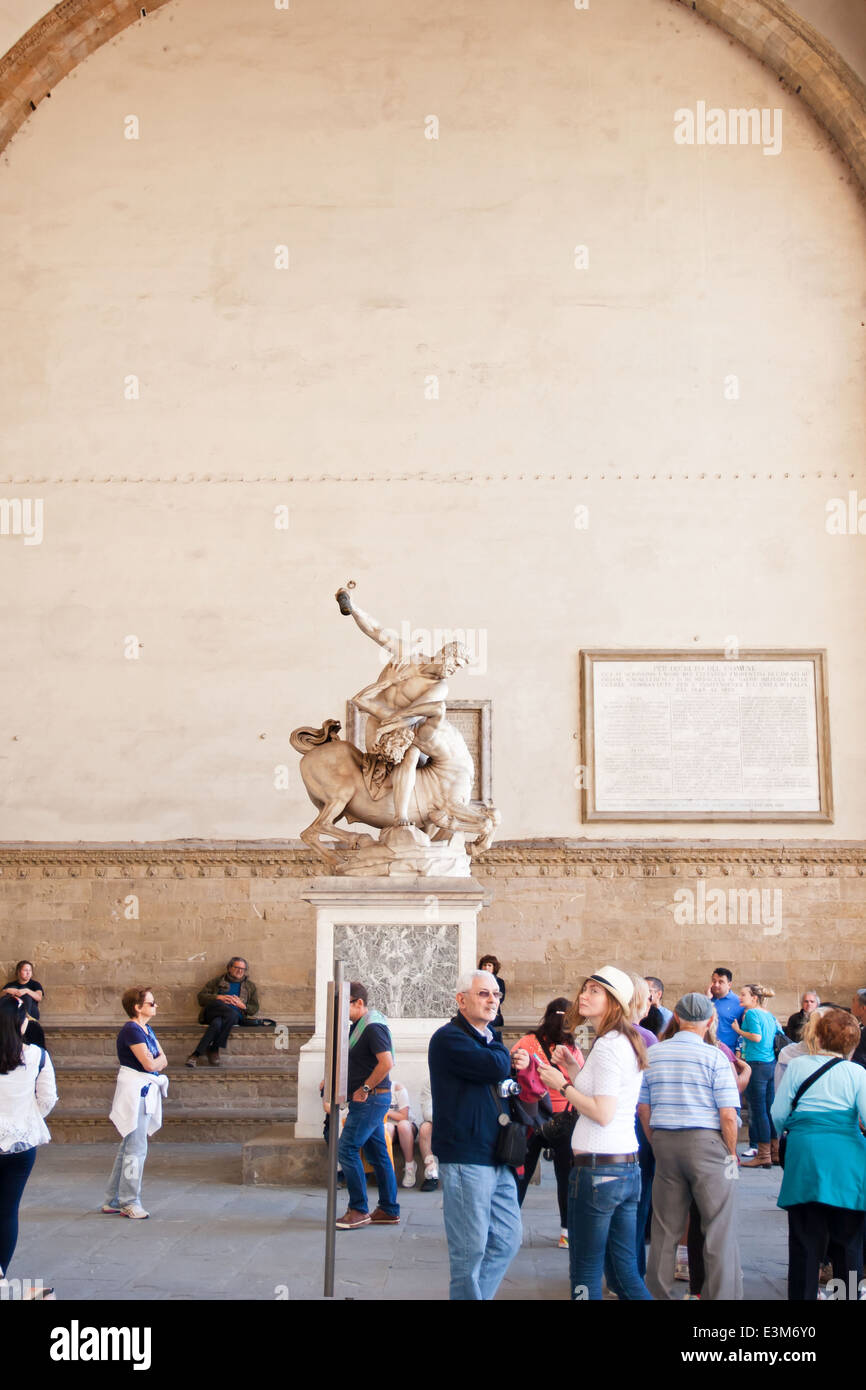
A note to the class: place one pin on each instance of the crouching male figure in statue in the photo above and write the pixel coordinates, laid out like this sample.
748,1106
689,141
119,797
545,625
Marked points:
371,1058
479,1196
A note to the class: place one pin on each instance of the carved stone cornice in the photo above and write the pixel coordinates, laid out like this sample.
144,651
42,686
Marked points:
636,858
757,858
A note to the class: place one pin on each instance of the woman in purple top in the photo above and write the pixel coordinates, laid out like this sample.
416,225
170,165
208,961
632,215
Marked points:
138,1051
640,1009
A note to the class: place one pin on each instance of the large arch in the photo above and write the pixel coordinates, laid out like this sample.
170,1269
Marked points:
785,42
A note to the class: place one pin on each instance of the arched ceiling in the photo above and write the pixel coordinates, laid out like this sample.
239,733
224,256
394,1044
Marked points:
803,59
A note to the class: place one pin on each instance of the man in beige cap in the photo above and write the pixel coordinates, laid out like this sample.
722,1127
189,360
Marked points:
688,1107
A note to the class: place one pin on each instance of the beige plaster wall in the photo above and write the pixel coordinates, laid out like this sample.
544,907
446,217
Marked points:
409,258
16,17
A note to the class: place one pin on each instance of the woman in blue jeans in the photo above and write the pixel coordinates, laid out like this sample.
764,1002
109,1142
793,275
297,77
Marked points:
757,1031
27,1094
605,1177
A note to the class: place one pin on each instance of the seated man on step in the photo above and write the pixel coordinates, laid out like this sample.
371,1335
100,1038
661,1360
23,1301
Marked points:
225,1000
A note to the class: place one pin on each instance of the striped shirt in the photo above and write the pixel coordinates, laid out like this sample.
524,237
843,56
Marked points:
686,1083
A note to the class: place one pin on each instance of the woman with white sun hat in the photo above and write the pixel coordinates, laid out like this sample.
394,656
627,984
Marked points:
605,1176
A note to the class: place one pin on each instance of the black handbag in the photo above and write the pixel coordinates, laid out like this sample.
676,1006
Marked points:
511,1139
559,1127
810,1081
559,1124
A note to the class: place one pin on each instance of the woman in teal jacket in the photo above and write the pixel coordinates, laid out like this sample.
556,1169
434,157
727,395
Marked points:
824,1183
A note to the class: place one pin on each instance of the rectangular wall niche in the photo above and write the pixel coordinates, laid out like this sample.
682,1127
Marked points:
410,970
472,718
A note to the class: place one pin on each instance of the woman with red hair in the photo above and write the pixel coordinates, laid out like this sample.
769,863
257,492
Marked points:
605,1177
822,1104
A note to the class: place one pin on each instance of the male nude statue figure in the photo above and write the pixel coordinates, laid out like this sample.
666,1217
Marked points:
406,705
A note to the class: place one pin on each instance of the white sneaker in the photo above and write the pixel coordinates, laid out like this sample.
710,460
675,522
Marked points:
749,1153
134,1212
409,1175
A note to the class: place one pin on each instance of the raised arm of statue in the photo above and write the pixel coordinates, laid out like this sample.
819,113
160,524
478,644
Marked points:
368,624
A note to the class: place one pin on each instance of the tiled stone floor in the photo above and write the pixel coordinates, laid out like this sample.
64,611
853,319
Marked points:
209,1237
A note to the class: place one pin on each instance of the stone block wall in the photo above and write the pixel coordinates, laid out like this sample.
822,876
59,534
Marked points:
557,910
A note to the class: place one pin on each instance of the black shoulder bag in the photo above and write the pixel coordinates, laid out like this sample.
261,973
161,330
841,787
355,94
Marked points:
511,1139
810,1081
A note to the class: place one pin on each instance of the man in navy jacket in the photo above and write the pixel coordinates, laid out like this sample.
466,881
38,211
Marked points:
467,1066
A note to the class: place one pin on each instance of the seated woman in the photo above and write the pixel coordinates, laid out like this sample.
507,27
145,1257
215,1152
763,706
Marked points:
399,1121
30,994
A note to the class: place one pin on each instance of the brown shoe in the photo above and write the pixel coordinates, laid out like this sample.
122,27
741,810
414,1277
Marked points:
353,1219
213,1057
762,1158
383,1218
774,1153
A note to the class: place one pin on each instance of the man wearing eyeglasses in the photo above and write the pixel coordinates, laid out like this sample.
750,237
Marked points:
224,1001
468,1064
371,1057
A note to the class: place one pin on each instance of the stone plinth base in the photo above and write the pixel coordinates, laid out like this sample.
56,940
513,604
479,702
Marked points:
407,941
275,1158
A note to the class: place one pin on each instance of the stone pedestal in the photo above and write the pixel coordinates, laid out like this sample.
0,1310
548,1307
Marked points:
407,940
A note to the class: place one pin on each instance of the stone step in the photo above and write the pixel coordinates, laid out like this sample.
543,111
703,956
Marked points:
77,1042
205,1126
92,1087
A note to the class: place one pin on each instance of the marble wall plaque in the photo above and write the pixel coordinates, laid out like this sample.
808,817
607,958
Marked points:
409,969
704,736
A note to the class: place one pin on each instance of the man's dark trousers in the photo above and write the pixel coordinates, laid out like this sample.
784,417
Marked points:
365,1129
220,1020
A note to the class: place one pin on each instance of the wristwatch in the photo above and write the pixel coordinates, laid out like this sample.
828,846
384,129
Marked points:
366,1088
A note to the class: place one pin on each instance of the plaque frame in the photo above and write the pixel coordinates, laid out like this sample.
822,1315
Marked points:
590,658
483,710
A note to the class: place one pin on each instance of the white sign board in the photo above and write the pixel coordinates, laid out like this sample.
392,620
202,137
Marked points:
671,737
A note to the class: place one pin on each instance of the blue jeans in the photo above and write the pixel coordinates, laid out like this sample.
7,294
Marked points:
15,1169
482,1226
647,1164
602,1219
760,1094
365,1129
124,1185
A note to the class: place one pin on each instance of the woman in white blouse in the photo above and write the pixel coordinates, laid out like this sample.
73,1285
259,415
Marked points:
27,1094
605,1177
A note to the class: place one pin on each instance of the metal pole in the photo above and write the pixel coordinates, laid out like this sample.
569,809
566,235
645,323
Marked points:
332,1091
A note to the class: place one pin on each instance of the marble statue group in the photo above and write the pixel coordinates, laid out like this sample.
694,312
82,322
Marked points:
413,778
